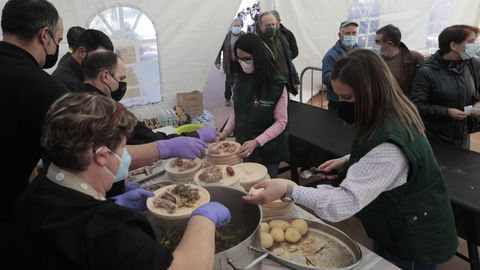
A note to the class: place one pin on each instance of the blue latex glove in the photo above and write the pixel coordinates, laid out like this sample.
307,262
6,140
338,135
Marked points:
129,185
207,134
216,212
134,199
182,147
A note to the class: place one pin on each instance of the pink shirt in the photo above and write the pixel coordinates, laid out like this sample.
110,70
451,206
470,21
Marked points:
280,115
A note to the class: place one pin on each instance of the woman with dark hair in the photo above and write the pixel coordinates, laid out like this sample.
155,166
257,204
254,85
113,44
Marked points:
393,183
260,106
447,83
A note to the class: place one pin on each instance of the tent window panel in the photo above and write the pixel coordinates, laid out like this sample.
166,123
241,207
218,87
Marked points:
439,18
135,39
367,14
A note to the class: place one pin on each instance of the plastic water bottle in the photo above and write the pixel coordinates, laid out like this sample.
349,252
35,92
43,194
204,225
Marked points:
165,119
173,116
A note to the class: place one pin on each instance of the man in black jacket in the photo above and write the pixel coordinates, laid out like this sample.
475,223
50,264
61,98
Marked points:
105,74
32,30
72,35
277,44
70,73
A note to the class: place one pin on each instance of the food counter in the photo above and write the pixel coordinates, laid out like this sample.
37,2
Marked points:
369,260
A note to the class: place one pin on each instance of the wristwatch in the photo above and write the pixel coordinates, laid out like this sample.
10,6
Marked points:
287,197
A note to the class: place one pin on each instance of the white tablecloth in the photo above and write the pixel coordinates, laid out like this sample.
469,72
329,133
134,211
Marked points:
369,261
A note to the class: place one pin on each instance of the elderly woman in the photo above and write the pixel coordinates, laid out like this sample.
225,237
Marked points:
445,84
393,183
63,221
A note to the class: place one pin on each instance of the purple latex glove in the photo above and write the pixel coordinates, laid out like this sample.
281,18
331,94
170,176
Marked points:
182,147
207,134
134,199
129,185
216,212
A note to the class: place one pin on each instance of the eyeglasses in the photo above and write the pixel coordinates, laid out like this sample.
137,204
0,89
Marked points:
247,60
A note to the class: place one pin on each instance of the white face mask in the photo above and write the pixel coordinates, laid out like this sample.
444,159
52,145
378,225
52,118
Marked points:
247,67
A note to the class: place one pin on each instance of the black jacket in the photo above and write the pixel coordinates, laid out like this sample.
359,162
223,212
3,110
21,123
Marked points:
64,57
27,93
441,84
292,79
69,74
61,228
292,42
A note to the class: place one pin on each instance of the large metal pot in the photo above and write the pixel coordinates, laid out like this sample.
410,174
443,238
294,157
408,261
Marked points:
314,227
244,215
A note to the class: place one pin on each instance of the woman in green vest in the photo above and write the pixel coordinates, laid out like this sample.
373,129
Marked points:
393,183
260,106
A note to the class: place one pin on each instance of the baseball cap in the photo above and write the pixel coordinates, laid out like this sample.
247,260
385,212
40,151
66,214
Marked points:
347,22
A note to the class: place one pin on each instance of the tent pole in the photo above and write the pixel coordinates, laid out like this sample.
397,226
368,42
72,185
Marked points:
477,17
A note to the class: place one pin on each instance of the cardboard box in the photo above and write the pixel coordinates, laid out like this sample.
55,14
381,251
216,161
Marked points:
127,52
191,102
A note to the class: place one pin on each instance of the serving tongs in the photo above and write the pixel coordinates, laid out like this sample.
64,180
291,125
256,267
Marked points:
313,171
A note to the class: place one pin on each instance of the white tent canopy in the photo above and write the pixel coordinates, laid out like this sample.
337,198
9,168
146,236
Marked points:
189,33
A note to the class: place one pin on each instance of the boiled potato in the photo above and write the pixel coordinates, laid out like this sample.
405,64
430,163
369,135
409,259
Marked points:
277,234
266,240
264,227
300,225
292,235
278,223
279,251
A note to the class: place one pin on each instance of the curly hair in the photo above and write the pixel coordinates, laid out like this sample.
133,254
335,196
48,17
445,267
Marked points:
77,123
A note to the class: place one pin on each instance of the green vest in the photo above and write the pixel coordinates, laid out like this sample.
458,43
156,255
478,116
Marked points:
253,115
413,221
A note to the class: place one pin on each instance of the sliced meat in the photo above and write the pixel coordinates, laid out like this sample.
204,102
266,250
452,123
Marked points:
169,197
167,204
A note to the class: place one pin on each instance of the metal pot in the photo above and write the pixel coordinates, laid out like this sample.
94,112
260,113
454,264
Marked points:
316,226
244,215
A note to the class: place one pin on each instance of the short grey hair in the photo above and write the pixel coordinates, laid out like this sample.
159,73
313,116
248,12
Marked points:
237,19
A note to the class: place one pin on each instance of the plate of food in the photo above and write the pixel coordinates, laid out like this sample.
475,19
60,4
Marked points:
183,166
177,201
217,174
223,148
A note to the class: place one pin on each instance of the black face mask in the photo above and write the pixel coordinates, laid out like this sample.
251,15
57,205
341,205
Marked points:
346,111
120,92
51,59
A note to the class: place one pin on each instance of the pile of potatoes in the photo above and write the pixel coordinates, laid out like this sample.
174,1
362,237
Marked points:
280,230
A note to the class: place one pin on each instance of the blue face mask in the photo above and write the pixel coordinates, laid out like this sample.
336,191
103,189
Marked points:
122,171
236,30
471,50
377,49
350,41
